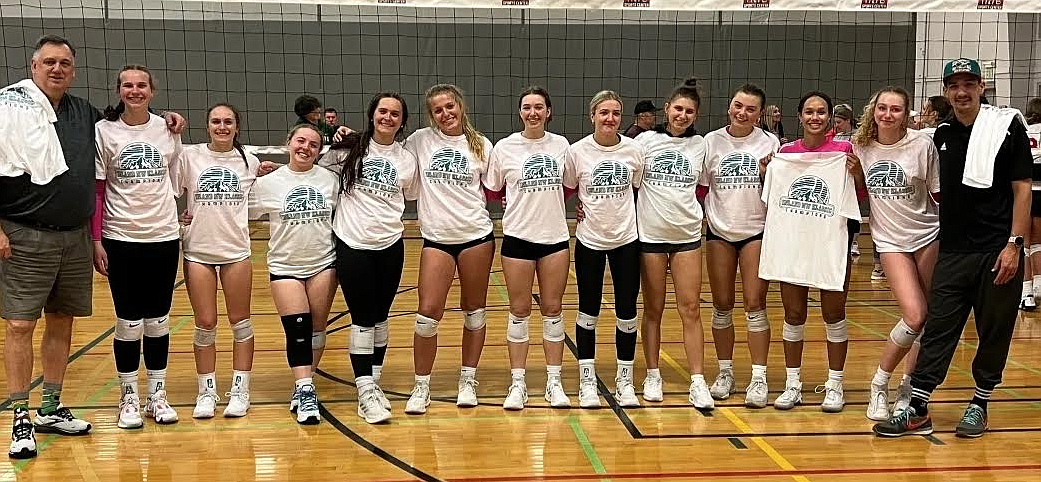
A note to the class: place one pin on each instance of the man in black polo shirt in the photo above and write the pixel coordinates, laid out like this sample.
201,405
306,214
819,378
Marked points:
46,254
980,263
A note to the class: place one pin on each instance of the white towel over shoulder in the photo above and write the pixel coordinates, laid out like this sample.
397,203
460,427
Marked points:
30,142
988,133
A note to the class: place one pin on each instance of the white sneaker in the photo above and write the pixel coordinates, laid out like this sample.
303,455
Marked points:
516,396
854,249
588,395
878,274
205,404
878,404
307,406
699,396
903,398
294,400
723,387
62,422
23,438
384,402
555,394
419,400
790,397
652,389
625,393
238,403
130,412
834,399
755,394
370,408
1027,303
157,408
467,392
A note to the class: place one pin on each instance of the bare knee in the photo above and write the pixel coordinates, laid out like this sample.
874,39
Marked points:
520,311
550,308
20,328
833,315
206,323
689,311
467,306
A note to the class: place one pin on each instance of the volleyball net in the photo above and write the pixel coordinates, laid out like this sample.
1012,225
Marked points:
262,55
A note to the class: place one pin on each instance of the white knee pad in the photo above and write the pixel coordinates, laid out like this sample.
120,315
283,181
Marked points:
382,334
757,321
475,320
242,331
626,326
837,332
902,335
426,327
722,320
1033,249
362,338
793,332
586,321
156,327
553,328
517,329
204,337
317,340
129,330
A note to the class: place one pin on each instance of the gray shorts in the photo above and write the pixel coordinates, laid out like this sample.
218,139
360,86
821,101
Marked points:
48,271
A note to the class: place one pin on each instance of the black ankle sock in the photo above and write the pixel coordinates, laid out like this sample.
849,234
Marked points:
981,402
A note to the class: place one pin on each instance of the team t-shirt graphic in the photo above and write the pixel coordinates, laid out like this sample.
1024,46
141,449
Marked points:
305,204
219,186
610,179
887,180
449,166
670,169
140,162
738,170
540,173
809,196
378,177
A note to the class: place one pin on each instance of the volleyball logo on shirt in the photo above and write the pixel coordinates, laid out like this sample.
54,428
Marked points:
305,205
610,179
140,162
808,195
219,186
670,168
379,177
738,170
17,97
449,166
887,180
540,173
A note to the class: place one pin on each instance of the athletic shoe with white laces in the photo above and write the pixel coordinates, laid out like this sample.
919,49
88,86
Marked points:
61,422
699,396
307,406
755,394
834,398
23,438
419,400
878,404
205,404
625,392
652,389
790,397
555,394
238,403
384,402
467,392
723,387
588,395
369,407
130,412
159,409
516,396
903,398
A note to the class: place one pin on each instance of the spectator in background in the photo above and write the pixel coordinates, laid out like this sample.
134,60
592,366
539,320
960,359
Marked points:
309,111
845,123
332,118
934,110
646,116
771,122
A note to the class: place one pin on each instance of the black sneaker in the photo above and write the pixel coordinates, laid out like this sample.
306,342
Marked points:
23,438
973,423
906,422
61,422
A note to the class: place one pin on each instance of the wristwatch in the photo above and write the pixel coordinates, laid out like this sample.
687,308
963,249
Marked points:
1017,240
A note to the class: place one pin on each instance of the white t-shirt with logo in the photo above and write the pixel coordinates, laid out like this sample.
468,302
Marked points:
809,198
532,171
452,207
138,164
667,208
1034,135
370,216
605,178
300,207
734,205
217,185
904,217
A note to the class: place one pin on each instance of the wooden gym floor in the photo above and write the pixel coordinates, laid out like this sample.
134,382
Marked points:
660,441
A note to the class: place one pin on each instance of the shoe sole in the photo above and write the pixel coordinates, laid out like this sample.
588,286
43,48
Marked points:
234,415
375,421
874,419
131,427
465,404
962,434
927,431
22,454
654,399
55,430
513,408
832,410
559,405
420,411
309,421
203,416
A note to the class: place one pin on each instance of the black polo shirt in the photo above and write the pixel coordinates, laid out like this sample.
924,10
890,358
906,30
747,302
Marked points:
68,200
974,220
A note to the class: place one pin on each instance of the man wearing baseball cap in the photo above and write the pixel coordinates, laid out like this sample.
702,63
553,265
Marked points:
985,169
646,116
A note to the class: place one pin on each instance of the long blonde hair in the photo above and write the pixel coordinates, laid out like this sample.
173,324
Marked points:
868,130
474,138
601,97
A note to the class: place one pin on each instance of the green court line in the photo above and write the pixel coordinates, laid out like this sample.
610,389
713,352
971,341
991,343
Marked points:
587,447
499,287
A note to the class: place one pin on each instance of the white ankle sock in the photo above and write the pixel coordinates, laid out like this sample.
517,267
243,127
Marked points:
881,378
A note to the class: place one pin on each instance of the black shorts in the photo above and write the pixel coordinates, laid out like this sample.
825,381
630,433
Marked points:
738,245
520,249
278,277
1035,204
669,248
454,250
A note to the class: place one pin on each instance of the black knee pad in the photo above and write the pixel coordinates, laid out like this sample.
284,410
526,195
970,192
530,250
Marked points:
298,339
